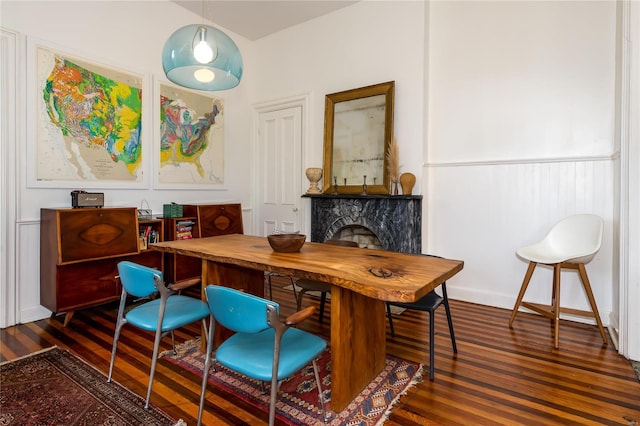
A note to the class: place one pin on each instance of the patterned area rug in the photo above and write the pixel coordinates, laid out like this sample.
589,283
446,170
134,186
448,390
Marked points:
636,368
298,398
53,387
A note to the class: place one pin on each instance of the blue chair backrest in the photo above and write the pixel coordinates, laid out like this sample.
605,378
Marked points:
136,279
238,311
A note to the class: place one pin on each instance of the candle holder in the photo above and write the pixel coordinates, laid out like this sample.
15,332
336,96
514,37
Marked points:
364,185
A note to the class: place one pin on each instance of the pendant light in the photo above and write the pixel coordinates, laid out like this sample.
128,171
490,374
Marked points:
201,57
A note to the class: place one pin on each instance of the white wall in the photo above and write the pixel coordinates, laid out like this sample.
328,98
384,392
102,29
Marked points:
521,134
128,35
361,45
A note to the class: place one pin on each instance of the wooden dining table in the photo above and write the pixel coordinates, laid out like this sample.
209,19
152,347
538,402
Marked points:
362,280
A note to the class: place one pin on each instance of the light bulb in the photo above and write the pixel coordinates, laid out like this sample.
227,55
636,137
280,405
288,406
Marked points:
204,75
202,52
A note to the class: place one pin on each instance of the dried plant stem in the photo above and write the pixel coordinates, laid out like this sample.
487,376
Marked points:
393,161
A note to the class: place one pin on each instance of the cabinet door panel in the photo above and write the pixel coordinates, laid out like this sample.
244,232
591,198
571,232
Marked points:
85,284
97,233
220,219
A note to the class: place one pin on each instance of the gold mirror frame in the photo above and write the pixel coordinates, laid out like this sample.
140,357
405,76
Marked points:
358,129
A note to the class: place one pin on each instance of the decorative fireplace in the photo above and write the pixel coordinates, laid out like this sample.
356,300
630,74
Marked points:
391,223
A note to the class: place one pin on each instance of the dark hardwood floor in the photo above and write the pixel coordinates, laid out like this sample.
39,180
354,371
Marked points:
499,376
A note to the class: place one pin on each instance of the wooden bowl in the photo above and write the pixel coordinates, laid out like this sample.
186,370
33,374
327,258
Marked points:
286,243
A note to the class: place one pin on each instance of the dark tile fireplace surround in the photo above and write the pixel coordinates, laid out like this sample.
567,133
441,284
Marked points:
385,222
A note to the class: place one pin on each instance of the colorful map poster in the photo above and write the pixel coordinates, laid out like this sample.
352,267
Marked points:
191,138
89,121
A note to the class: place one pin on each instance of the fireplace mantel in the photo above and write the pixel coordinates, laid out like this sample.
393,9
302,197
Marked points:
396,220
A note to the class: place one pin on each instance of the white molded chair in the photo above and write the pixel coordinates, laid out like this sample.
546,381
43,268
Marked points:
570,244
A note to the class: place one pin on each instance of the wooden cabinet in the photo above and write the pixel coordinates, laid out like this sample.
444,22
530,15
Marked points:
80,250
205,220
217,219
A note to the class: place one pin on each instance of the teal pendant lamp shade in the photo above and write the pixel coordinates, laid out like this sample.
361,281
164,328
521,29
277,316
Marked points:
203,58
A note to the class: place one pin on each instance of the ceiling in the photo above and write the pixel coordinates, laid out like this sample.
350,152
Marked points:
254,19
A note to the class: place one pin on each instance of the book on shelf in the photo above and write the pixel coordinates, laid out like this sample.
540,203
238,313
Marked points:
148,235
184,229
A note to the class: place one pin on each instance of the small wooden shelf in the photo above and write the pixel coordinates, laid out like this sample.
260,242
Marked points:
205,220
150,231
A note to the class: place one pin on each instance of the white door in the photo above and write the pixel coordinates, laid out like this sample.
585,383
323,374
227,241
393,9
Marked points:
279,170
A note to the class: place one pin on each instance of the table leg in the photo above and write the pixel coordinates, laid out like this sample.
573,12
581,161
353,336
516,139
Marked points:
358,344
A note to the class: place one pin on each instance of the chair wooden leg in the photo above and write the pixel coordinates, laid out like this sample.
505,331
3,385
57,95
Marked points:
523,289
592,301
556,304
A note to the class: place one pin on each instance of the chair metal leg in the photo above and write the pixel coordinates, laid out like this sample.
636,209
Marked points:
154,361
207,366
453,336
431,346
523,289
293,289
393,333
274,395
270,286
323,299
320,393
116,337
299,298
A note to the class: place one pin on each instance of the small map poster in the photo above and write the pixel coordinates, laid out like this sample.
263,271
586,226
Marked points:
191,138
89,121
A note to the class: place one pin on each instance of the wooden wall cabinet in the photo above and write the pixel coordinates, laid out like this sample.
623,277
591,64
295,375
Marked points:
79,253
208,220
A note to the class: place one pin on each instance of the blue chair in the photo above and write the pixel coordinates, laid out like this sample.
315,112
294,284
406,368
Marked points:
428,303
160,315
263,347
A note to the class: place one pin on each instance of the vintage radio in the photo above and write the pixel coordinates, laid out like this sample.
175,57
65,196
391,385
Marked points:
81,199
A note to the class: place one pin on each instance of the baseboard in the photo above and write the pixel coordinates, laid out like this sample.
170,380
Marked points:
498,300
33,314
613,330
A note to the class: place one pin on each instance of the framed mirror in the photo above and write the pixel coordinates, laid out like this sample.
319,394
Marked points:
358,129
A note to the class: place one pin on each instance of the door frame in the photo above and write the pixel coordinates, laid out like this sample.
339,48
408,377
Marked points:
303,101
10,43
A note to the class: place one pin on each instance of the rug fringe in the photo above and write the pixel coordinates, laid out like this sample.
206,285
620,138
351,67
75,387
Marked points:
417,379
28,355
